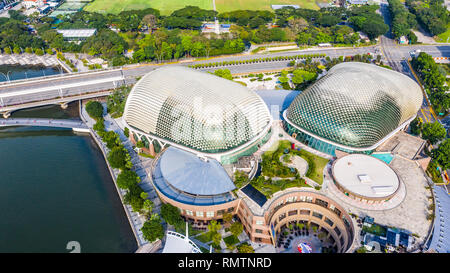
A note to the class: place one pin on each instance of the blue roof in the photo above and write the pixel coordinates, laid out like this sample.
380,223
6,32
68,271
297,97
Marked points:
441,233
277,100
188,173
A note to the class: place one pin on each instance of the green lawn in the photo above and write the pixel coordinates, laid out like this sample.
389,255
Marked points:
204,238
229,5
444,37
167,6
164,6
231,240
316,165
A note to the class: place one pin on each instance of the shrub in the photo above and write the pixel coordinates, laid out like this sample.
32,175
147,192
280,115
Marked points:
99,126
152,230
117,157
126,132
94,109
127,179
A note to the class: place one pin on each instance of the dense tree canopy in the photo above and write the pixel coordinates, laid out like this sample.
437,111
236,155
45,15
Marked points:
433,132
442,154
431,14
402,19
127,179
152,230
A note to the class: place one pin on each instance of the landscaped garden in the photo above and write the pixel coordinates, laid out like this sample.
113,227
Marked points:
375,229
276,175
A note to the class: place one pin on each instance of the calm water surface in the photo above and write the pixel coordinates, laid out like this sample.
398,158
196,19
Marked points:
54,188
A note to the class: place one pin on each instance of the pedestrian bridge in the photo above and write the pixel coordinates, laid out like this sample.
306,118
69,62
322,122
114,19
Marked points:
76,125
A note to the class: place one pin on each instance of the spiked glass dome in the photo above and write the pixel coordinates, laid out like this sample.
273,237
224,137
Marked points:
356,105
196,110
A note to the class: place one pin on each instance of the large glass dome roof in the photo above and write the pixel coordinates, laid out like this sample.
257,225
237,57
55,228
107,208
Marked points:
196,109
356,104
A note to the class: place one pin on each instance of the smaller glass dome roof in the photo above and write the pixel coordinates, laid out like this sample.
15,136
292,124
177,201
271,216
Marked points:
191,174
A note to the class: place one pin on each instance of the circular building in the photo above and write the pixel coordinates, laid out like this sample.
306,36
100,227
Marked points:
198,112
365,178
354,108
199,187
298,211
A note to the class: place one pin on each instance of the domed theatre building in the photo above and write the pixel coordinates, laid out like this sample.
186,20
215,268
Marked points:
355,107
197,112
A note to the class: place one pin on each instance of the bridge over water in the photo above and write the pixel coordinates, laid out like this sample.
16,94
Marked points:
76,125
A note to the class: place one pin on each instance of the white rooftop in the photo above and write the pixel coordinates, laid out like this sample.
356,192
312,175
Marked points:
77,33
365,175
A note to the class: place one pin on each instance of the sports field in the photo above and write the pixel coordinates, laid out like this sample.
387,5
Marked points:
167,6
229,5
164,6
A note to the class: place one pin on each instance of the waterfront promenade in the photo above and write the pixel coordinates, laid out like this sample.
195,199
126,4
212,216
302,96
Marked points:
43,122
136,221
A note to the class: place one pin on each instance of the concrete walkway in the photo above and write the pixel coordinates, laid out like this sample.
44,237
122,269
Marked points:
44,122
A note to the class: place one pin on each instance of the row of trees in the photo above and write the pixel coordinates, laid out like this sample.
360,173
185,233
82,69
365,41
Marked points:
119,158
402,19
433,79
259,60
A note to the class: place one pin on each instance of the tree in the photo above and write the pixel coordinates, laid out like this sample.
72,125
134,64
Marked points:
223,73
148,207
433,132
133,198
126,132
442,154
117,157
236,228
111,138
39,52
214,227
126,179
149,20
297,24
94,109
416,126
99,126
152,230
245,248
227,217
170,214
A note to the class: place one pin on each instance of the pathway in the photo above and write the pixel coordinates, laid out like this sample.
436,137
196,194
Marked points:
44,122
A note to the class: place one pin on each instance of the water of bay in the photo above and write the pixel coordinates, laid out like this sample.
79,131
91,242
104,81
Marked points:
54,188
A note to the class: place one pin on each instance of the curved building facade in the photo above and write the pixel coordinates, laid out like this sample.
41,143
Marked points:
199,187
354,108
197,111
